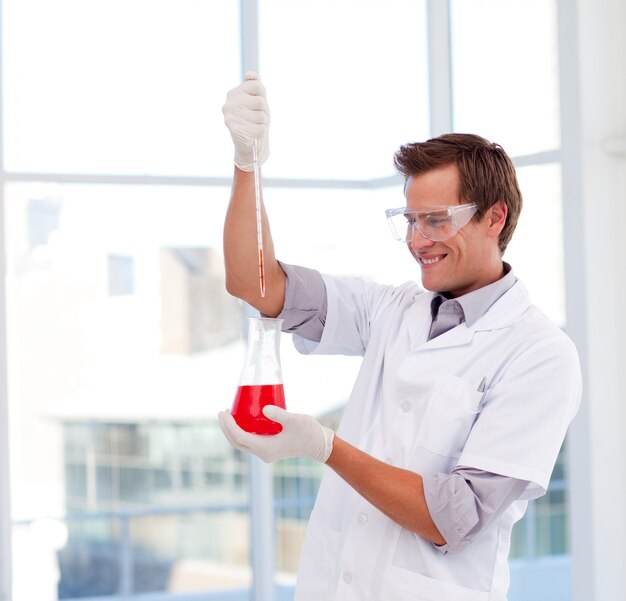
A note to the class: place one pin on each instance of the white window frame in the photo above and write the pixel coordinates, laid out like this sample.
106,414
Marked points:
5,485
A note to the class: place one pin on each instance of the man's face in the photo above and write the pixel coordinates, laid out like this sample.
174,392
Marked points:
470,259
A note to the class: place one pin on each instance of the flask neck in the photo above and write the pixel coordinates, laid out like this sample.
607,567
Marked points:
262,364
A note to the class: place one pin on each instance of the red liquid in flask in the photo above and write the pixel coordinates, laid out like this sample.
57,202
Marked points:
249,402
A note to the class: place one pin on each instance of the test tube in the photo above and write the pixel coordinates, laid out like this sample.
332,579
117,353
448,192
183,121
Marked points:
259,224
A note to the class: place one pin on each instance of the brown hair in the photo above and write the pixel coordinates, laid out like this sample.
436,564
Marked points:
486,173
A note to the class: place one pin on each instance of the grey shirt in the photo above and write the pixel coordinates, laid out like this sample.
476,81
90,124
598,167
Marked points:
463,503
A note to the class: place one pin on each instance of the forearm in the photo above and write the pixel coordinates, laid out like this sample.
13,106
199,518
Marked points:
241,250
398,493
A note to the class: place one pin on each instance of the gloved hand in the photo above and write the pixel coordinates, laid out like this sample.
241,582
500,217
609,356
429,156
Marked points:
301,436
247,116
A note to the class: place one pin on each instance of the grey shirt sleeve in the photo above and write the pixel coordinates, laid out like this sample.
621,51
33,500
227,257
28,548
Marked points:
306,304
462,504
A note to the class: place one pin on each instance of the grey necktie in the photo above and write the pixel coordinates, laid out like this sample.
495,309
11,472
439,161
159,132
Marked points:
447,314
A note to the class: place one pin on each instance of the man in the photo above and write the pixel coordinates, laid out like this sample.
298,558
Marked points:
464,395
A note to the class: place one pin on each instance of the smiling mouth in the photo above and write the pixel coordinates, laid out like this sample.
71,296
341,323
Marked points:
431,260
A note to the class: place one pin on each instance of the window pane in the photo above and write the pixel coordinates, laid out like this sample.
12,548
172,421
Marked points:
295,486
505,72
341,232
536,250
346,83
119,87
551,524
121,391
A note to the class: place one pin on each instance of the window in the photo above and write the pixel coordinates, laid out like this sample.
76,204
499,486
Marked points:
118,88
122,342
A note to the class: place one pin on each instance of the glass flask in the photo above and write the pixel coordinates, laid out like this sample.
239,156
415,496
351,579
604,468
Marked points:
261,381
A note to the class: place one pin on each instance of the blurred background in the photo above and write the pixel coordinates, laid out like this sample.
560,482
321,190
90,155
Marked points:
119,344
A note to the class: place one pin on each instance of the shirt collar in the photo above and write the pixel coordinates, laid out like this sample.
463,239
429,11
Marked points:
475,304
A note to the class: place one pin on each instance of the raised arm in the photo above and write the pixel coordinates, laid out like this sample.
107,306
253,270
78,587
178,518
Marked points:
246,114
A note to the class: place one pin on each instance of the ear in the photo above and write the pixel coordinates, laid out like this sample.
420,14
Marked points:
496,218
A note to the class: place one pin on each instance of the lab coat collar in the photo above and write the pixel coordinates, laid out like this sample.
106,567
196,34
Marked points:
502,314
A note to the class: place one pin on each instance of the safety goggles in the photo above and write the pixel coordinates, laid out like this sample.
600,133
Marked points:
436,224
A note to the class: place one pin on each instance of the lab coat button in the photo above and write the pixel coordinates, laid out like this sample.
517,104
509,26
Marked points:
406,406
362,519
347,577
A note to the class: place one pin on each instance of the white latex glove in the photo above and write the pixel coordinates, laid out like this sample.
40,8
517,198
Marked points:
247,116
301,436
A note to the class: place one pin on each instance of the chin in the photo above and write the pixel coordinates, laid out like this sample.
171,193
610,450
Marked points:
431,285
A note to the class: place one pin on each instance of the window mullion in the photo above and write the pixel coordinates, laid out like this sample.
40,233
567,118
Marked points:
580,465
249,36
439,66
5,492
260,475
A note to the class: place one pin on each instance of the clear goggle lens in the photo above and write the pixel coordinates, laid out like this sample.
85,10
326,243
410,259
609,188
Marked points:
436,224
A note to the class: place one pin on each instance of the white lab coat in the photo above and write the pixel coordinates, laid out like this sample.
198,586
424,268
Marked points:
415,405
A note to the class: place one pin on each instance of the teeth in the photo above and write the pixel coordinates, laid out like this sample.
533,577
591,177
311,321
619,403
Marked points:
431,261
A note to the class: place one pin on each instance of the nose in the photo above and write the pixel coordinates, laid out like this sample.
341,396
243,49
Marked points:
419,241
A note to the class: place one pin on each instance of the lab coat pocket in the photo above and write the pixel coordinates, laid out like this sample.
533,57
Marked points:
450,415
405,585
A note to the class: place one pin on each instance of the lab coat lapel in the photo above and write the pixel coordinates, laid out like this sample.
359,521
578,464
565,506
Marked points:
504,312
418,320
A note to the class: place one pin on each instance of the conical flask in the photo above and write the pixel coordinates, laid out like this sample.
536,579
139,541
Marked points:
261,381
